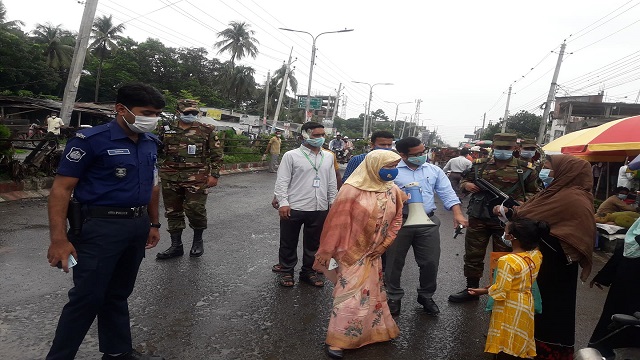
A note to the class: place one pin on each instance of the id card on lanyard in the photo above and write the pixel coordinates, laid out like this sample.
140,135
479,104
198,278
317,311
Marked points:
316,180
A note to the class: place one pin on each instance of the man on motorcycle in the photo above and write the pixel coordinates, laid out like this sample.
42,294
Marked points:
336,144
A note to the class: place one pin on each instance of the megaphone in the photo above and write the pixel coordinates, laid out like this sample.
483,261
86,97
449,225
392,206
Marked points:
417,216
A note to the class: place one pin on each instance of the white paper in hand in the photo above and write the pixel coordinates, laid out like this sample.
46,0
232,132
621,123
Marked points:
332,264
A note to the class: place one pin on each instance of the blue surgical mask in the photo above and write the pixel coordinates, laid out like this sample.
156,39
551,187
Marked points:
544,176
188,118
381,148
507,242
417,160
622,196
527,154
388,174
315,142
502,154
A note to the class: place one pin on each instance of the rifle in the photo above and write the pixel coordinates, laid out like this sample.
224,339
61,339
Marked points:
499,197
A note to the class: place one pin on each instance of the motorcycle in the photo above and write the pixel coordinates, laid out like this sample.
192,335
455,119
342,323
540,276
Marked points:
342,156
623,339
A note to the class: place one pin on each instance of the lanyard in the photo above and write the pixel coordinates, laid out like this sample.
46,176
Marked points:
312,164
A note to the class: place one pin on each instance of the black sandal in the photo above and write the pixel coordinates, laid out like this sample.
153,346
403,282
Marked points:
313,279
278,268
286,280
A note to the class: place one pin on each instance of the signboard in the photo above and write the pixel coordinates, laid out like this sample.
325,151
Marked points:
469,136
214,114
250,120
315,103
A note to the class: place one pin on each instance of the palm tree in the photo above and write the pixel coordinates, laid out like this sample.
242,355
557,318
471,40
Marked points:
8,25
278,76
57,43
238,40
242,83
104,35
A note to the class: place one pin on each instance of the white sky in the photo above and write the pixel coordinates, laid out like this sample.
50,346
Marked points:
459,57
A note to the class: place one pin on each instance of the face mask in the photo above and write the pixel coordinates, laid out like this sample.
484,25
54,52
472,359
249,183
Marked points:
316,142
418,160
142,124
387,174
188,118
380,148
507,242
502,154
622,196
527,154
544,176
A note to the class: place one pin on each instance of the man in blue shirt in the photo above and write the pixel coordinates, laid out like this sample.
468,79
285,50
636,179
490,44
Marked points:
379,140
425,240
111,171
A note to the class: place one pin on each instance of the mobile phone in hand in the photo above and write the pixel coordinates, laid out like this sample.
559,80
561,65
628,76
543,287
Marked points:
71,262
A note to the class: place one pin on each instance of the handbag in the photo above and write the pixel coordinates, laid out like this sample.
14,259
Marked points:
535,291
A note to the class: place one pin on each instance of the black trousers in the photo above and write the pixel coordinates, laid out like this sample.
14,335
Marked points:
290,234
109,255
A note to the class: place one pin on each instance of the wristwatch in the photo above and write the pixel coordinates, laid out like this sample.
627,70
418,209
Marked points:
157,226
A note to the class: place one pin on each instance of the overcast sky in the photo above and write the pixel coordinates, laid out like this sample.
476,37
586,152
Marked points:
459,57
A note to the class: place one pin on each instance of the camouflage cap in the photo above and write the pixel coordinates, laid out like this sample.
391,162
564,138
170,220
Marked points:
187,105
528,143
505,139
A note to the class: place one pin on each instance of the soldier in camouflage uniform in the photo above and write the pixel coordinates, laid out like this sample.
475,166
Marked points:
191,162
514,177
532,153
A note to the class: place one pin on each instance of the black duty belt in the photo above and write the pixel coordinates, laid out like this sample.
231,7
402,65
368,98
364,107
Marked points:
404,216
109,212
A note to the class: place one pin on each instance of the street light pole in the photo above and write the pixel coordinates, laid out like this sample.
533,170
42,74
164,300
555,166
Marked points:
395,118
367,119
313,61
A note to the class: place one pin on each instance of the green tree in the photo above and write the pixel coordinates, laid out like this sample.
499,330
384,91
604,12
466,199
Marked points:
57,45
523,123
237,40
242,84
104,35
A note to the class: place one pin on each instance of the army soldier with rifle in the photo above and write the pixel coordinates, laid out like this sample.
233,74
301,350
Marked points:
509,176
191,162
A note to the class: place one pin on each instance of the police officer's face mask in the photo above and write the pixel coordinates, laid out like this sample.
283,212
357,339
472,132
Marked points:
142,124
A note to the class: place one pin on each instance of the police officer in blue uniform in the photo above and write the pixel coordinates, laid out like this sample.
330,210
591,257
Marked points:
111,171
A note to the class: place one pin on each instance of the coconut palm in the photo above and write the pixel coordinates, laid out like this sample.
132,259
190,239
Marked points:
8,25
104,35
57,44
238,40
278,77
241,83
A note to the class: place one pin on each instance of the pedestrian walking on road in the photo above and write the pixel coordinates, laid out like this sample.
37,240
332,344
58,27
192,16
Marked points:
456,167
567,206
424,240
516,179
511,328
305,188
110,169
191,163
363,221
273,148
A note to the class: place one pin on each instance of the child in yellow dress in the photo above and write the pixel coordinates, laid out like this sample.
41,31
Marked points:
511,330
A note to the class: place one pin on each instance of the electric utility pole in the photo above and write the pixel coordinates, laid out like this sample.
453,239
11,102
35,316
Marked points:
79,53
283,90
266,103
484,118
335,103
416,117
550,96
506,112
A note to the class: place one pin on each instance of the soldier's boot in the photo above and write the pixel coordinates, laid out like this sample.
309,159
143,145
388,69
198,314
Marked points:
175,249
197,248
464,296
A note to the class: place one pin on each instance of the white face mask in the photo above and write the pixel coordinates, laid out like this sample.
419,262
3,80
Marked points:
142,124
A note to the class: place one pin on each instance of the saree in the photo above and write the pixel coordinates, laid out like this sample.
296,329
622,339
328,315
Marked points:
358,222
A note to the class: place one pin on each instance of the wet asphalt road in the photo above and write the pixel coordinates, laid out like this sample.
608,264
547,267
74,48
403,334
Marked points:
226,304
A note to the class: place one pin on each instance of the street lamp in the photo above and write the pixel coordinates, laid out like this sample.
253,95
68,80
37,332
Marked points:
396,117
366,127
313,61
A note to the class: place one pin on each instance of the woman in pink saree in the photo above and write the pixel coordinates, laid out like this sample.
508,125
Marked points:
362,222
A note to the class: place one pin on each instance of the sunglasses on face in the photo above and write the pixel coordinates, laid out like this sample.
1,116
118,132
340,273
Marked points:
192,112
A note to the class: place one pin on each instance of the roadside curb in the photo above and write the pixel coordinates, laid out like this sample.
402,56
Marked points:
18,193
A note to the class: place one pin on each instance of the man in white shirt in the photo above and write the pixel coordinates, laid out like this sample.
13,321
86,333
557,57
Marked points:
305,188
455,167
625,179
54,123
